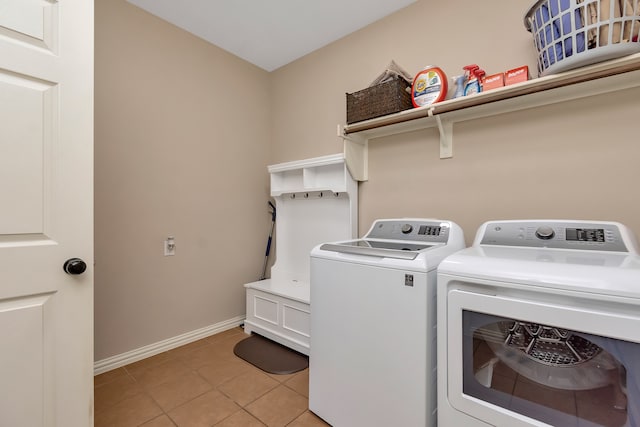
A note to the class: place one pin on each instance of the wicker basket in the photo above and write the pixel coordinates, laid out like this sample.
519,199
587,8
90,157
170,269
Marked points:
379,100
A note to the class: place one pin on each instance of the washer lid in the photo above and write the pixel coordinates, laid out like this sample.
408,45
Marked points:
379,248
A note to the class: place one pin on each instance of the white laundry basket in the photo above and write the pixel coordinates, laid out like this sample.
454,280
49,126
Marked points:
569,34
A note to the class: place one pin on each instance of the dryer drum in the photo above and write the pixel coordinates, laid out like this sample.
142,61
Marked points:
549,345
550,356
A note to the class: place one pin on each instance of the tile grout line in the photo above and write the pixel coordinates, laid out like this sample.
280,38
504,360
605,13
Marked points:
180,358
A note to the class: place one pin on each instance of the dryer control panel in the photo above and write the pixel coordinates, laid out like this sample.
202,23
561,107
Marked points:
580,235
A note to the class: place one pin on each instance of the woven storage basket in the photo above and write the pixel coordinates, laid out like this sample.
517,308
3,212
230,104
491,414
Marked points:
379,100
573,33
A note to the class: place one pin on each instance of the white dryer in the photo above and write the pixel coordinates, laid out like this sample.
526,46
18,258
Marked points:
539,325
373,337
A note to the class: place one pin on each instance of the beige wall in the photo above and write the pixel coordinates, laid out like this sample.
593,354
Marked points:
184,132
572,160
182,145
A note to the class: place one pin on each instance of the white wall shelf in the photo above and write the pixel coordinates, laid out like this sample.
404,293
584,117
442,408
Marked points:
325,173
605,77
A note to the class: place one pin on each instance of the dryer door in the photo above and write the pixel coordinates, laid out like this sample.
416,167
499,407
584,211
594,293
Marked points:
528,358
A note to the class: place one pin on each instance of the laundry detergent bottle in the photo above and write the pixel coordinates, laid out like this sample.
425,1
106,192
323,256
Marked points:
429,85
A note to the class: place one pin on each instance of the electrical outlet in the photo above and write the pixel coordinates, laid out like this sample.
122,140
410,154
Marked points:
169,246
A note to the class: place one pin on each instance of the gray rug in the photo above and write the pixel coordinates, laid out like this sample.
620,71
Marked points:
270,356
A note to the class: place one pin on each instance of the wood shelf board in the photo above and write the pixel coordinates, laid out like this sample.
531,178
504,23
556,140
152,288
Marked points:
564,86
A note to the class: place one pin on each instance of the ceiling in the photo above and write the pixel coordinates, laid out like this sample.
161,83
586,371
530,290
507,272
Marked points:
271,33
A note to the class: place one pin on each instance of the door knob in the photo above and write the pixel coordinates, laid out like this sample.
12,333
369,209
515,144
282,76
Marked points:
74,266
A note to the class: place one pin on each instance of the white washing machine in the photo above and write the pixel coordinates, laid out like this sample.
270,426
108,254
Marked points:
539,325
373,337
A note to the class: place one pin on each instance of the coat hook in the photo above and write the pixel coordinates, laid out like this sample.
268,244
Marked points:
306,195
293,195
320,195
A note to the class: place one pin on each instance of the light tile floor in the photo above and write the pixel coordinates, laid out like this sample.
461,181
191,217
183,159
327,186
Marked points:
202,384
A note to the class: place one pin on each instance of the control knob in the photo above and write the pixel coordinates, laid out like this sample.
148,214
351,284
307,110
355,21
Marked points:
406,228
545,233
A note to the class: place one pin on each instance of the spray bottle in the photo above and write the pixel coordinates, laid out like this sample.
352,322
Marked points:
474,85
460,82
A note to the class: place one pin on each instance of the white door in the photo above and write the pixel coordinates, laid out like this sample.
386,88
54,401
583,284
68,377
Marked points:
46,212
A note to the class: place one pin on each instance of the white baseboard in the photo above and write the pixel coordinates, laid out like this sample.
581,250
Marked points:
123,359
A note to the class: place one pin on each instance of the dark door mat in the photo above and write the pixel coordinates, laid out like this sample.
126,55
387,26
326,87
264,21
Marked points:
270,356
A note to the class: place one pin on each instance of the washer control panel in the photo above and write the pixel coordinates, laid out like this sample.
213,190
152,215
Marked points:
432,231
596,235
